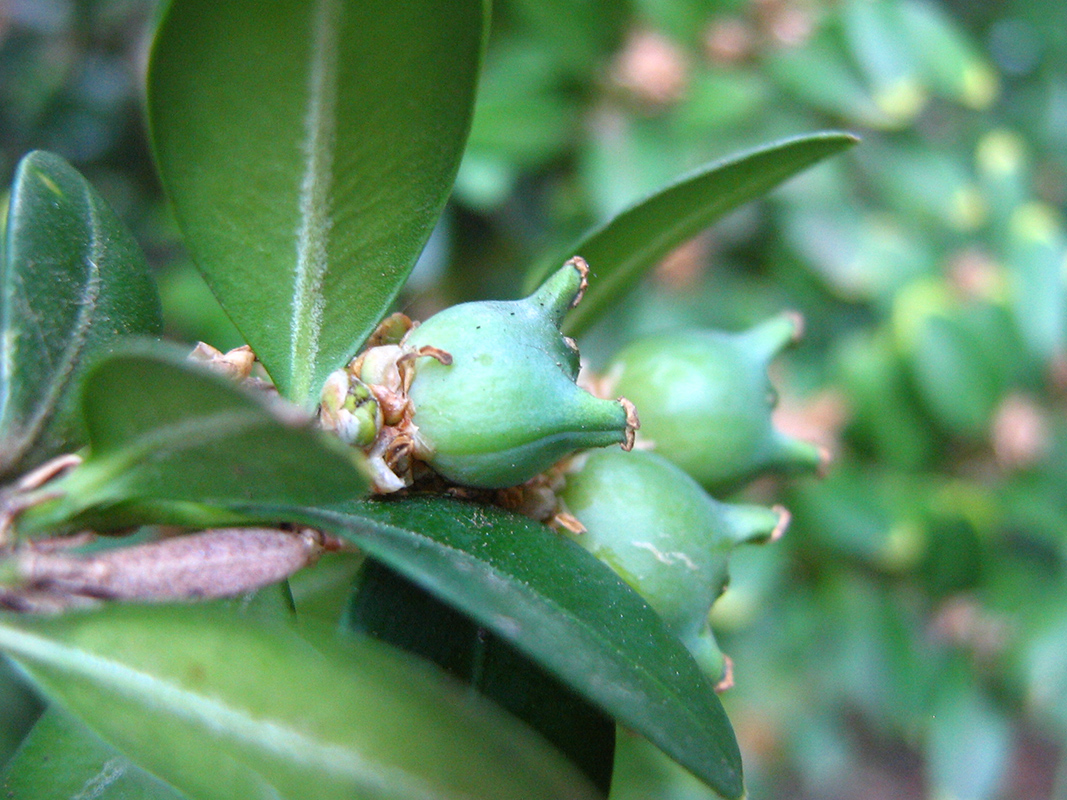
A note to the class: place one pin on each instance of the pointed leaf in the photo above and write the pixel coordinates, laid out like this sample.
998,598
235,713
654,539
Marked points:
634,241
556,603
391,608
72,280
225,706
169,434
62,759
308,148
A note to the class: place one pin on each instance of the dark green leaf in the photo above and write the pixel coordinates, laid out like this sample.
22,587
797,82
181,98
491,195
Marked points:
179,442
73,279
393,609
225,706
642,772
19,709
61,759
308,148
623,249
556,603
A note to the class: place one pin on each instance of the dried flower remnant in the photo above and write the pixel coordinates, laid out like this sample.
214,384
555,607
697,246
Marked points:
482,393
206,565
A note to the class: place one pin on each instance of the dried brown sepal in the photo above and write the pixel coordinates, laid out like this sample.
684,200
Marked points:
25,493
633,424
799,325
727,679
579,264
390,330
435,352
206,565
784,518
536,498
566,521
394,405
387,370
235,364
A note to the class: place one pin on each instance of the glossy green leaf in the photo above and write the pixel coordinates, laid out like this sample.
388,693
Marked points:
622,250
72,280
179,442
558,605
308,148
62,759
225,706
391,608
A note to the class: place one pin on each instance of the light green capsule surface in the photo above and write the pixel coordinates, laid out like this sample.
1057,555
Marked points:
506,407
705,402
665,536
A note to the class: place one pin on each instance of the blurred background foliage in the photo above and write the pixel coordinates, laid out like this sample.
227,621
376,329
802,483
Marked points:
908,637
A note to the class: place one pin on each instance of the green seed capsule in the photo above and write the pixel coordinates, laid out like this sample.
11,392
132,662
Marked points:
705,401
663,535
507,407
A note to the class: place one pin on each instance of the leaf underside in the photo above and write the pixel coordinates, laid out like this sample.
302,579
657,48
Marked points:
391,608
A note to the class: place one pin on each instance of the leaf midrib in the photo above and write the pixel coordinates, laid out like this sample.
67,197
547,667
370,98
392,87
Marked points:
211,713
313,229
63,373
532,597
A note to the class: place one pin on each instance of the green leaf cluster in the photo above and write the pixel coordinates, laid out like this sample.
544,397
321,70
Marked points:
306,174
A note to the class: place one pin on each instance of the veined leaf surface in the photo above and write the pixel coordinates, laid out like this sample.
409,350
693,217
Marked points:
557,604
308,148
72,281
225,706
61,759
171,442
